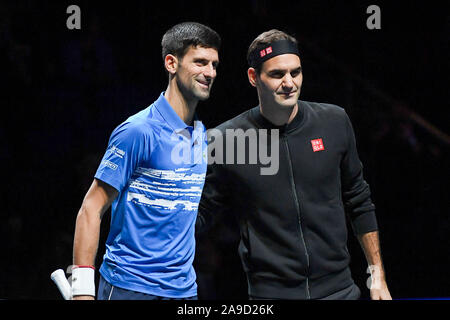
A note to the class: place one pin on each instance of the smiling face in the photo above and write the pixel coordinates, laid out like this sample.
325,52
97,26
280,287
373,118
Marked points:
279,81
196,71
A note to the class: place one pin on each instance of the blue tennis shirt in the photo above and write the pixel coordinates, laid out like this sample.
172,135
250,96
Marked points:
157,163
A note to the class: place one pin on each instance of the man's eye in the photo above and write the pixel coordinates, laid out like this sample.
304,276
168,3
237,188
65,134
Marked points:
277,75
295,73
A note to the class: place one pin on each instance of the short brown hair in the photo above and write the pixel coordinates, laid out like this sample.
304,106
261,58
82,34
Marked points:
266,38
178,39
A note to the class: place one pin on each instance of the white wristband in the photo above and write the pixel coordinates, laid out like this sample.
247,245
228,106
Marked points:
83,281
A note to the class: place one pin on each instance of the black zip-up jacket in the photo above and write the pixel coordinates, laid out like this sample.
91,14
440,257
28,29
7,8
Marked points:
293,223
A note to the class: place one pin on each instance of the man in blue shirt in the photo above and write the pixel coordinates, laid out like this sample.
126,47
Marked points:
152,174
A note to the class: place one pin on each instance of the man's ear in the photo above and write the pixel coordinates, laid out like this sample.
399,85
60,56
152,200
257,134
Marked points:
251,73
171,64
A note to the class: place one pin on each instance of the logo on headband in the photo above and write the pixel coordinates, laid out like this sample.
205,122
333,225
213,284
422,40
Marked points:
265,51
258,56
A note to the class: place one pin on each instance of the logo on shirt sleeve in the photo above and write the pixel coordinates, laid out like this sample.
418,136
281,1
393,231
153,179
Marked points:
317,145
109,164
116,151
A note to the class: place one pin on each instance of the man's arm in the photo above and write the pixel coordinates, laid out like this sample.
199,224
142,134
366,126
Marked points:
361,211
214,200
87,229
371,246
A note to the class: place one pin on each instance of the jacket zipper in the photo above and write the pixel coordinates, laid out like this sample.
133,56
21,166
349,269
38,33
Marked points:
297,206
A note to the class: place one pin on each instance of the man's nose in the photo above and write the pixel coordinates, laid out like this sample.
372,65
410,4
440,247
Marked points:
288,82
209,71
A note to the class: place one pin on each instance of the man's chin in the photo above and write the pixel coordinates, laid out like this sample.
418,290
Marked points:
202,95
288,103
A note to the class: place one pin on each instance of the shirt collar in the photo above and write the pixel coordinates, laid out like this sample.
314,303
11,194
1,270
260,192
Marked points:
169,114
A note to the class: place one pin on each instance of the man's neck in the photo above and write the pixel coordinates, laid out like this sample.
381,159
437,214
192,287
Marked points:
277,115
185,109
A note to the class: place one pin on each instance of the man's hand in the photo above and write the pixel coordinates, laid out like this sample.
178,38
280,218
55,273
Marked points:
380,292
377,283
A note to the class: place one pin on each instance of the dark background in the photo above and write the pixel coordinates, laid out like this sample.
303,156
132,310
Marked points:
64,91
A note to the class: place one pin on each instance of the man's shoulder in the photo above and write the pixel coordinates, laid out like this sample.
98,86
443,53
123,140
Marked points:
241,121
327,115
323,108
141,123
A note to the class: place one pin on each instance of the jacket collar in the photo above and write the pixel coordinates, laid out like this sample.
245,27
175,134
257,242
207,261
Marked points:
262,122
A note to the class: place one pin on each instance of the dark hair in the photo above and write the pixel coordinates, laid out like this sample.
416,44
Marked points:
266,38
178,39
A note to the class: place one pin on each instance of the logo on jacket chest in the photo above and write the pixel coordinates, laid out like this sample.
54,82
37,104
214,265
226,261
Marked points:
317,145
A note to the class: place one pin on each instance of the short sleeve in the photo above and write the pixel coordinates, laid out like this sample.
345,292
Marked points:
128,146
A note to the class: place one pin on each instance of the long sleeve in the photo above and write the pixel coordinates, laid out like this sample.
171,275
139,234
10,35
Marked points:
214,198
356,193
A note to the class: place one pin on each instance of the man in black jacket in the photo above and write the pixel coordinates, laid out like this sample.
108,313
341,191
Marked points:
292,215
